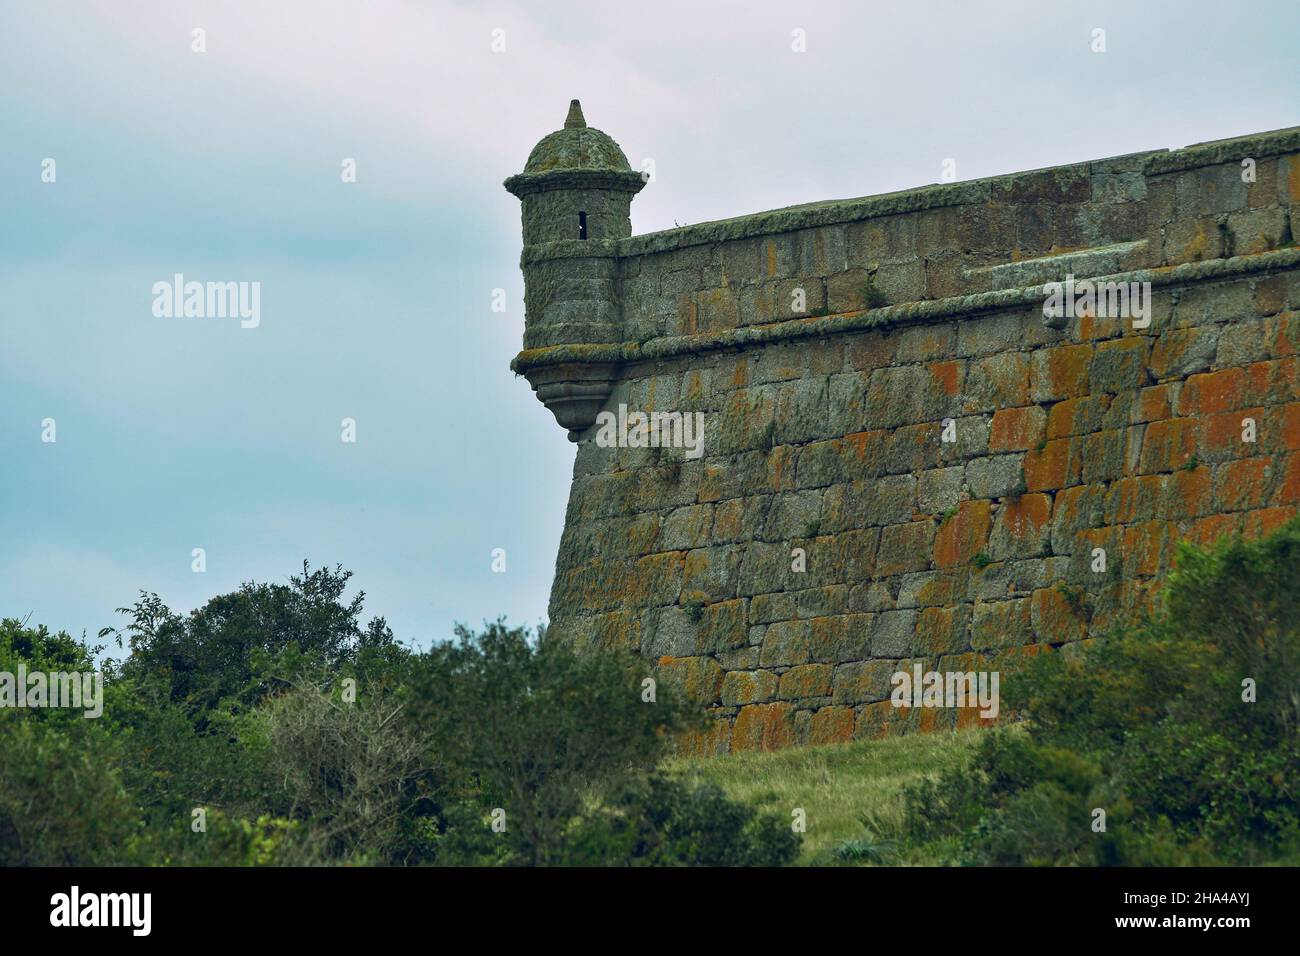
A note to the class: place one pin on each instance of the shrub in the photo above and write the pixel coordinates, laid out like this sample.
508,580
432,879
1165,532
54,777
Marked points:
539,729
1154,725
236,710
351,771
219,651
660,821
91,822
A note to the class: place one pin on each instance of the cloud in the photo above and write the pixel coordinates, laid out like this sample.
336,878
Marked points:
225,166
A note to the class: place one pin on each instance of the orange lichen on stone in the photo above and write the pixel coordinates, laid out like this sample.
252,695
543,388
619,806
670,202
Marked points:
1211,392
1015,429
1267,520
710,741
1056,619
875,720
764,727
1027,514
1206,531
700,678
865,444
1154,403
1146,544
1051,467
831,725
781,463
1219,436
1129,497
1292,177
1168,445
831,532
946,375
1067,370
963,535
1289,430
1290,490
1187,492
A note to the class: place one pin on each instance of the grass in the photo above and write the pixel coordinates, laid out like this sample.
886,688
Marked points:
837,786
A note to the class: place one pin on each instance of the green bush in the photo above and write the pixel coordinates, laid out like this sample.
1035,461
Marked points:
660,821
239,710
1154,726
539,729
62,801
229,649
358,774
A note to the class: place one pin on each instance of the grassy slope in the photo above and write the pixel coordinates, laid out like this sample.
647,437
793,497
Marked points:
835,785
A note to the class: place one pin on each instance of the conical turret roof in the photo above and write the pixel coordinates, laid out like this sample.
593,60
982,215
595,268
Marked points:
576,146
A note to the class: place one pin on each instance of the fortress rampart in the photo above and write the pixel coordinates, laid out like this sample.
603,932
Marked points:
904,460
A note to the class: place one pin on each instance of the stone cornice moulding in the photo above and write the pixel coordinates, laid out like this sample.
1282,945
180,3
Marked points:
920,311
524,184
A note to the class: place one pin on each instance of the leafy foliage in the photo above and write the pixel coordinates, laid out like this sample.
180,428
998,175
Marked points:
296,736
213,654
1156,726
540,728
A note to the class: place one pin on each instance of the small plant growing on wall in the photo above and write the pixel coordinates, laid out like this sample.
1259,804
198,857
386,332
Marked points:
1019,490
1074,597
669,469
872,296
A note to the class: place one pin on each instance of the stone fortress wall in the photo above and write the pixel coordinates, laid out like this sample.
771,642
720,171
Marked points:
883,395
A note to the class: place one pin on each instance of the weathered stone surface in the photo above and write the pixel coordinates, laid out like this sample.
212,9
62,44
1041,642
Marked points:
839,638
892,633
939,489
943,630
862,682
1180,352
699,678
1017,429
806,680
1001,624
764,727
749,687
832,725
996,476
905,547
872,503
786,642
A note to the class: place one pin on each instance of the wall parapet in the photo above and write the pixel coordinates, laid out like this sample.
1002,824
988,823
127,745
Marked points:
833,212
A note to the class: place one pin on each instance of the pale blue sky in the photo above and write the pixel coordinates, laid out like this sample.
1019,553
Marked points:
182,433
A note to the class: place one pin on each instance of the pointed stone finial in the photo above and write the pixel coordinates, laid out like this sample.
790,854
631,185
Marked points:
575,119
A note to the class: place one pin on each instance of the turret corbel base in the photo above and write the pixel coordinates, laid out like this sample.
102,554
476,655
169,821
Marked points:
574,392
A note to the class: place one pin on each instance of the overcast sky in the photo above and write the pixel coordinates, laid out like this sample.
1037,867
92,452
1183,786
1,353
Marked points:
183,433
